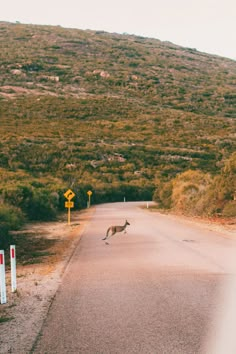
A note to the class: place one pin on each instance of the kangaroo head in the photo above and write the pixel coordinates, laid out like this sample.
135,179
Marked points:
127,223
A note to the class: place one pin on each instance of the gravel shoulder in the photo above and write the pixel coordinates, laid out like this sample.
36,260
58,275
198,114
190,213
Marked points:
37,283
23,315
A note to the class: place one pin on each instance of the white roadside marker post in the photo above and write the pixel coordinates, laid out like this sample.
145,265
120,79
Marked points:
13,268
2,278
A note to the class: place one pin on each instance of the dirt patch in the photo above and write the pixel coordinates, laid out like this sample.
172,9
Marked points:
37,281
226,227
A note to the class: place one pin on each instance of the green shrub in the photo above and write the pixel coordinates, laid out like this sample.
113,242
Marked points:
218,198
19,196
119,192
11,218
188,188
163,195
35,203
229,209
43,205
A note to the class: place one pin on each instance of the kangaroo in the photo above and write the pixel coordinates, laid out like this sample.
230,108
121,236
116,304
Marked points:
115,229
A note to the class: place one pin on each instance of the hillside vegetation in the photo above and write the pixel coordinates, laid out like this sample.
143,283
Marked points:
121,115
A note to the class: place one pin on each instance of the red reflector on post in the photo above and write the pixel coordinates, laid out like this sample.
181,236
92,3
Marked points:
1,259
12,253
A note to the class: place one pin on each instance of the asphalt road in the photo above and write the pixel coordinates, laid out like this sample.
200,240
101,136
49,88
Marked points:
155,289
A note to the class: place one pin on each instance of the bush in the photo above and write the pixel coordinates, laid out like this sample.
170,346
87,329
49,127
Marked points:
11,218
219,197
163,194
188,188
117,193
43,205
35,203
229,209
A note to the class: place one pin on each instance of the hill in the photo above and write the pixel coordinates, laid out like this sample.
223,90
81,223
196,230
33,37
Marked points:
113,113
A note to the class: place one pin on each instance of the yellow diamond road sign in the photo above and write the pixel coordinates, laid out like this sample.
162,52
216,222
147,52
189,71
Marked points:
69,194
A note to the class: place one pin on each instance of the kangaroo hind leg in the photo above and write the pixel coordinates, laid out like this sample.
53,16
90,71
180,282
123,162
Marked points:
107,234
111,234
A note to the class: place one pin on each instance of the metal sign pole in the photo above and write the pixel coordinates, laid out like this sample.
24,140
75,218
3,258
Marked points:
89,200
69,215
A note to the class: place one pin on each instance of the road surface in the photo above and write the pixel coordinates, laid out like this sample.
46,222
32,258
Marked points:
155,289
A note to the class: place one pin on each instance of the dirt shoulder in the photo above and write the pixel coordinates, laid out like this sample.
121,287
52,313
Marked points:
22,317
225,227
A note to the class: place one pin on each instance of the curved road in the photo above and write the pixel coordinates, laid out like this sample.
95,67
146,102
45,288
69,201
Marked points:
154,289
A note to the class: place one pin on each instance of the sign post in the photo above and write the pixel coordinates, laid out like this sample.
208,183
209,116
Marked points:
89,195
69,194
13,268
2,278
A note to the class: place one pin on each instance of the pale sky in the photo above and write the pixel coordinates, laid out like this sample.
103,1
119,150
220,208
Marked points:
207,25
